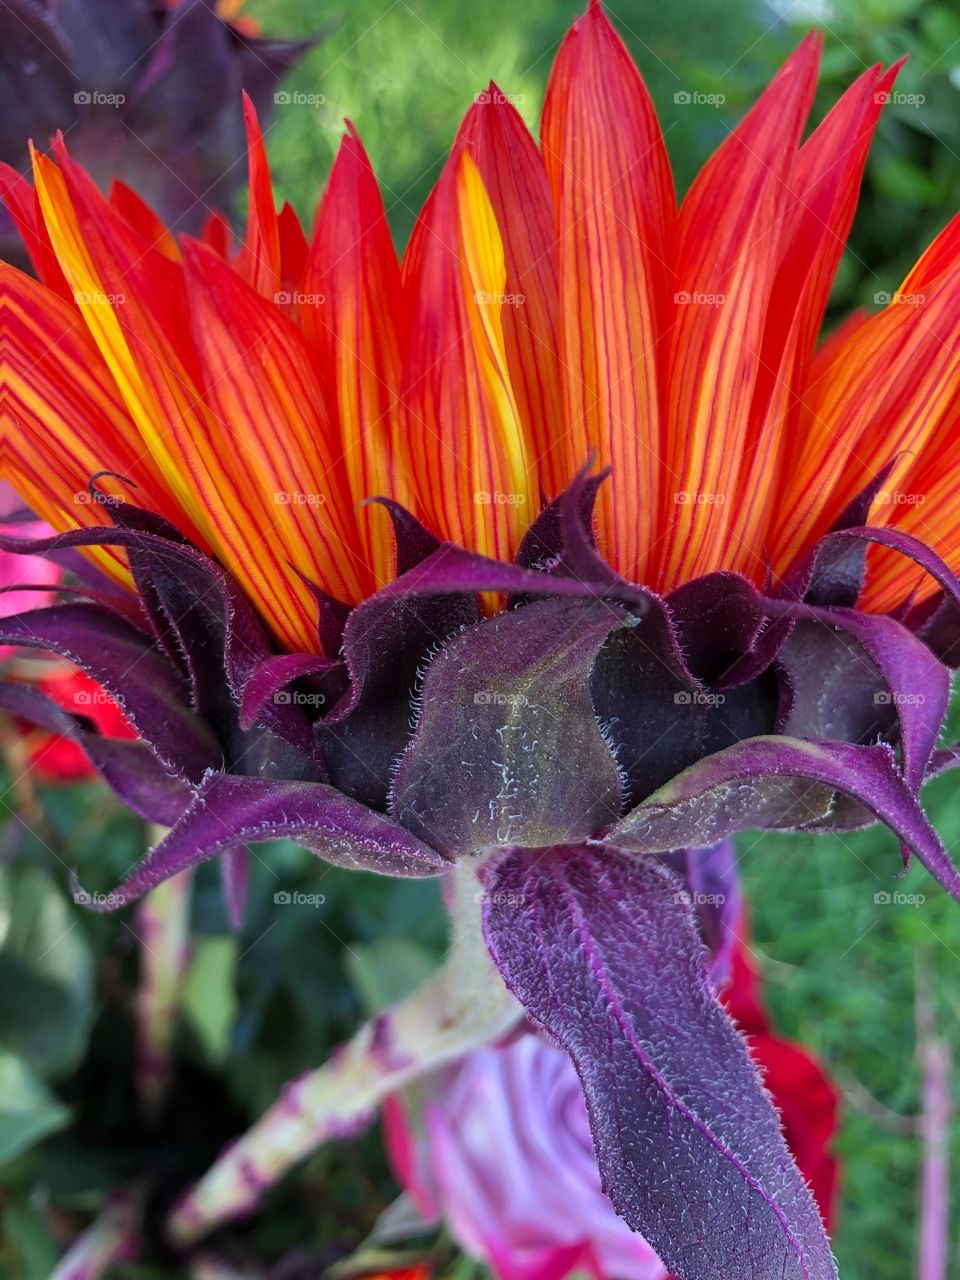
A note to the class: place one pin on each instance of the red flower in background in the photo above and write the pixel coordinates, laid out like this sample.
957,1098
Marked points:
804,1094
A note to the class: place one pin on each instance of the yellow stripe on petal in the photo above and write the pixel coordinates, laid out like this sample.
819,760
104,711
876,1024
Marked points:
463,442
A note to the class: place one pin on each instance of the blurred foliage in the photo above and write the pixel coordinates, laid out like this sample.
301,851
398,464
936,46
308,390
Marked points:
264,1006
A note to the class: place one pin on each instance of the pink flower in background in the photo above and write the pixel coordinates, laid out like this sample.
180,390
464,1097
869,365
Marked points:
26,570
506,1160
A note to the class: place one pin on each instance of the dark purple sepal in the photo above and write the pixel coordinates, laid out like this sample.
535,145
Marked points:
229,810
833,572
268,683
129,768
726,639
781,783
196,611
657,716
852,674
604,954
507,748
386,642
126,663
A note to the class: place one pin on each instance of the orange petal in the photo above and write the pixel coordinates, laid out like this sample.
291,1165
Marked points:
135,210
613,194
891,388
260,261
516,181
462,436
824,186
61,417
352,308
22,204
277,457
133,302
730,236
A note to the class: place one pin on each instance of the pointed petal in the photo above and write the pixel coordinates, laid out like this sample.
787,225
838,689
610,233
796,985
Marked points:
730,235
515,179
353,310
260,262
825,185
288,508
888,394
614,201
462,439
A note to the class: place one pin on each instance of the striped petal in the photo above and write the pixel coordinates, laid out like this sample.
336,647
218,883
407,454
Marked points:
352,308
462,439
824,187
614,201
891,386
730,239
278,455
62,418
515,178
260,259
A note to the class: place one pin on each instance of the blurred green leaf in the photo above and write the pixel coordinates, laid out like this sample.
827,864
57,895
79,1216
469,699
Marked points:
46,972
386,971
210,997
28,1110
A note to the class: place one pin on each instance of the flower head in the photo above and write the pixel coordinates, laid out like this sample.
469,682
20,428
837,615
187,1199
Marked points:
570,674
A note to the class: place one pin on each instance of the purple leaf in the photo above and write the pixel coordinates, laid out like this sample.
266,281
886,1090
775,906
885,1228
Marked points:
604,954
130,768
127,665
780,783
507,748
229,810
